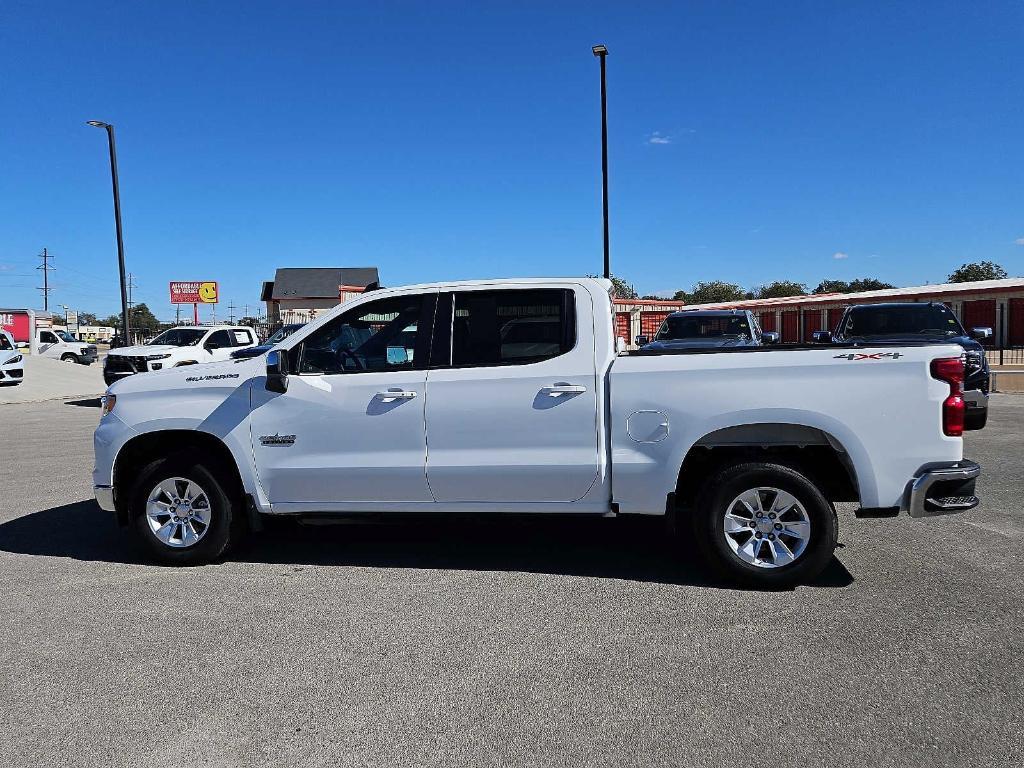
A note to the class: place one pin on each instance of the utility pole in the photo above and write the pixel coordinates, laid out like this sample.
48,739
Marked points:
177,314
231,313
130,284
125,321
45,266
602,53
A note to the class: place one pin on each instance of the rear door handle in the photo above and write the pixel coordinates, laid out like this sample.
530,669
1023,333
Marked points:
558,390
395,394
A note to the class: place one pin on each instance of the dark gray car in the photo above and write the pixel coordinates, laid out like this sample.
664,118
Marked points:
708,329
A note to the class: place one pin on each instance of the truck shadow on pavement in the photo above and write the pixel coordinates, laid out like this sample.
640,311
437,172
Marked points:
633,549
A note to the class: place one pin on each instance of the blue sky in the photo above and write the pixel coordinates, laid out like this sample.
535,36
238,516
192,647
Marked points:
749,141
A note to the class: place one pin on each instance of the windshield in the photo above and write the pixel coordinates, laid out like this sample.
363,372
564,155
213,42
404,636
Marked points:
65,336
928,320
282,334
703,327
179,337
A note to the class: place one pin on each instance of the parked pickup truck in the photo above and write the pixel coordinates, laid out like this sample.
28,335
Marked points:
175,347
932,323
61,345
510,396
708,328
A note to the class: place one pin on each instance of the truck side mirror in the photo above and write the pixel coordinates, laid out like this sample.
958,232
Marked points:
641,340
770,337
277,371
821,337
981,333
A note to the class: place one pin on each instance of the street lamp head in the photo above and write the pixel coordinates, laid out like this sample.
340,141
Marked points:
599,50
97,124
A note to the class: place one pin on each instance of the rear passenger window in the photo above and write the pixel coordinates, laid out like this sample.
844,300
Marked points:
512,327
241,338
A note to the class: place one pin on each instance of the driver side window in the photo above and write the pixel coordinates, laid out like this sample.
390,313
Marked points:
379,336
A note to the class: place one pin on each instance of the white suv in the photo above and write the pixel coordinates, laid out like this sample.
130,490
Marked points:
184,345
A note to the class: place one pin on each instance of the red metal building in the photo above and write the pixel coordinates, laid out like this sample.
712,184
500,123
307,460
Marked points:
995,304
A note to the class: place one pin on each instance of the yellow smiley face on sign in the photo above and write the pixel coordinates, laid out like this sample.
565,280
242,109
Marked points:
208,293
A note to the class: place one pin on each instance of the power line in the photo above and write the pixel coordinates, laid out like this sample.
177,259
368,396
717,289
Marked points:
47,269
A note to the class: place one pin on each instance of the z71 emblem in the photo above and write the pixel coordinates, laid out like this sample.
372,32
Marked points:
869,356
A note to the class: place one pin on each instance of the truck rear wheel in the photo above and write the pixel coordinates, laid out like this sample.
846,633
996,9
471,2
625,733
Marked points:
765,525
183,513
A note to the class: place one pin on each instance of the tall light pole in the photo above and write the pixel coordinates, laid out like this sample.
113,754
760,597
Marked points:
602,53
125,318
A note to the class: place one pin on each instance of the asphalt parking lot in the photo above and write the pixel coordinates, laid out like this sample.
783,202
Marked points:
499,643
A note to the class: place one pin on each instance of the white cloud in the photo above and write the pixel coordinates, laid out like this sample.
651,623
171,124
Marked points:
840,255
659,138
1019,241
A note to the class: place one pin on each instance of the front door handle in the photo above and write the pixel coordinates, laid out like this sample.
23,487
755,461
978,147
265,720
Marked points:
557,390
395,394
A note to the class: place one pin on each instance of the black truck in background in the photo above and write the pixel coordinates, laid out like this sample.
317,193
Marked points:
899,323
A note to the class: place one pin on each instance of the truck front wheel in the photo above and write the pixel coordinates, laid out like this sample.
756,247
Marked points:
765,525
182,511
67,357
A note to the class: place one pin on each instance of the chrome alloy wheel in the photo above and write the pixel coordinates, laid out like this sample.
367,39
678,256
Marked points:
767,527
178,512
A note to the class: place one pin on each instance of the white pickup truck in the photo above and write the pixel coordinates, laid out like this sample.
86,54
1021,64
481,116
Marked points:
514,396
175,347
61,345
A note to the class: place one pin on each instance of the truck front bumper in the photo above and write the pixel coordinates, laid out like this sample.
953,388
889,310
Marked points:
104,497
943,490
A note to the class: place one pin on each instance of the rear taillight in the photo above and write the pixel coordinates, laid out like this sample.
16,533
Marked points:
951,371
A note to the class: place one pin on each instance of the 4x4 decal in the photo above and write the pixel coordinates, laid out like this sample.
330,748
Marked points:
869,356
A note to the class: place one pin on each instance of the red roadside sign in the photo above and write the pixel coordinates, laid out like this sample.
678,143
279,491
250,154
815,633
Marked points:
204,292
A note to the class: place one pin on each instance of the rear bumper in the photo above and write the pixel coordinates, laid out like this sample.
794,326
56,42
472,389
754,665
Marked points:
104,497
943,490
975,398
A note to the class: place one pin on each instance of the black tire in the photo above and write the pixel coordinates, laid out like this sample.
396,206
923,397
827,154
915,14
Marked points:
709,524
226,514
67,357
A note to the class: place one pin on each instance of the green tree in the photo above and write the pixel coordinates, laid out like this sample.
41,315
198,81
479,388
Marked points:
869,284
861,284
623,290
114,321
832,286
778,289
711,292
981,270
143,321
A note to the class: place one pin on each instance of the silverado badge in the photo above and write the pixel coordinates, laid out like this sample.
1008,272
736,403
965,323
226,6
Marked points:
277,439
